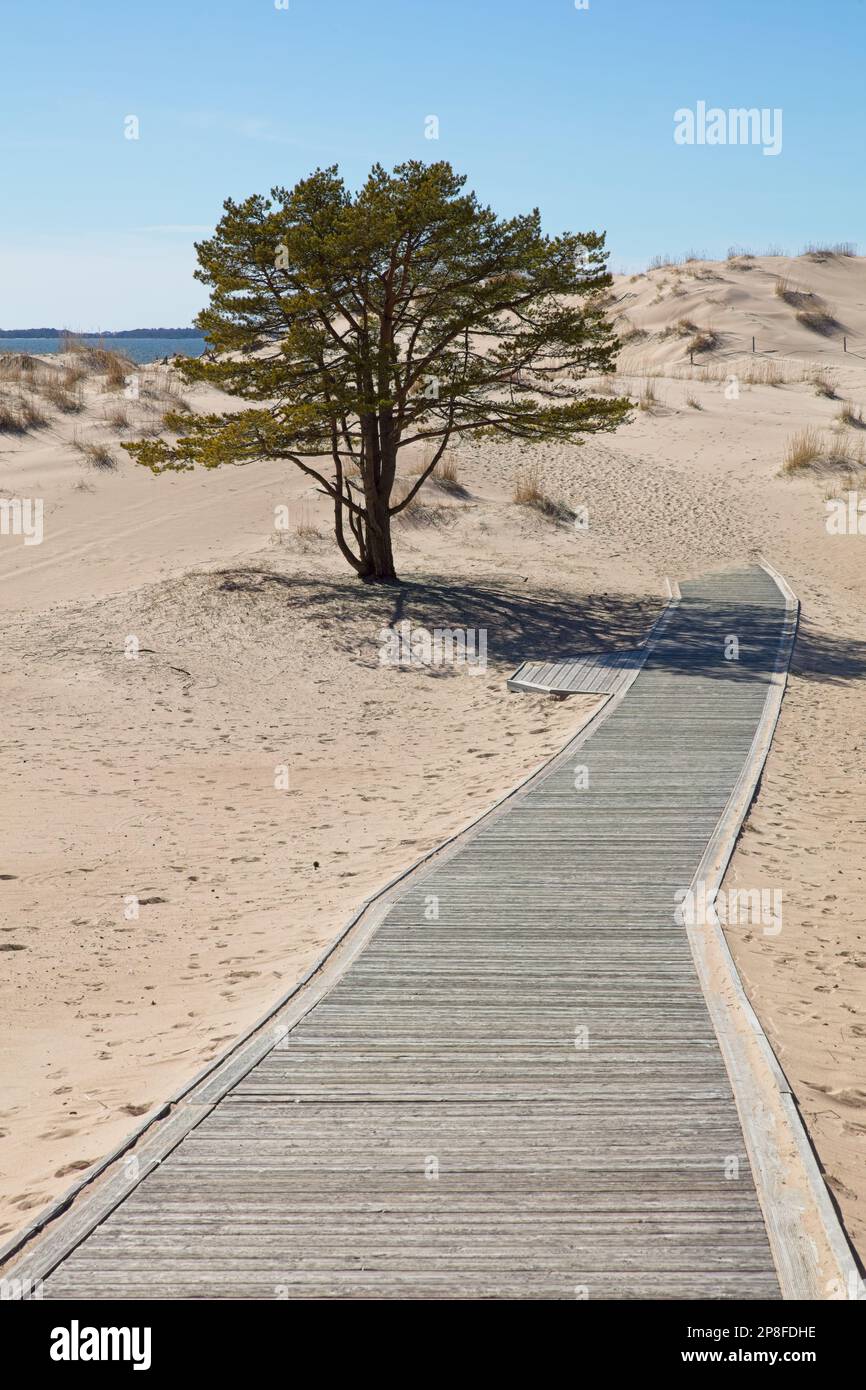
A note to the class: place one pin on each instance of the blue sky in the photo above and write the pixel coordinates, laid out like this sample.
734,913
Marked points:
538,102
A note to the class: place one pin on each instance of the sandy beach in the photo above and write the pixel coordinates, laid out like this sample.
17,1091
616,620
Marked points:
248,772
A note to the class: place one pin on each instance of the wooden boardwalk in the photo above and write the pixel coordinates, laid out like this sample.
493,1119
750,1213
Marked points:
514,1090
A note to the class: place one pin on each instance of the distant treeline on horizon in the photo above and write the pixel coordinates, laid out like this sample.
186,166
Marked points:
120,333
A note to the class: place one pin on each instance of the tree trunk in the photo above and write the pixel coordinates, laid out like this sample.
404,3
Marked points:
380,557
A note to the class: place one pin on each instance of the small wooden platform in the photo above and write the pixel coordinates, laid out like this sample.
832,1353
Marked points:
602,673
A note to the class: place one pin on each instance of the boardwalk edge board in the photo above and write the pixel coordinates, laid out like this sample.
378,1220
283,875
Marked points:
811,1251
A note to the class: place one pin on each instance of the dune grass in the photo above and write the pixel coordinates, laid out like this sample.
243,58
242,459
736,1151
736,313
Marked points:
530,490
824,384
825,251
97,453
705,340
802,450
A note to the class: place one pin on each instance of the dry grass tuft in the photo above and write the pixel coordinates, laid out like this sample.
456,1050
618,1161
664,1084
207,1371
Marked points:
825,251
32,415
841,453
446,476
819,319
97,454
65,398
305,526
824,384
705,340
10,420
630,333
528,487
530,490
21,414
851,415
117,416
648,400
811,310
792,294
681,329
802,450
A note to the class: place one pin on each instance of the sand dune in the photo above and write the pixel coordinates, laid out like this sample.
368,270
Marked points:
154,776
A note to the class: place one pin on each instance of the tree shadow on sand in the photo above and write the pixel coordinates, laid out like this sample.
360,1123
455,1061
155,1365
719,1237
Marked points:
548,623
521,621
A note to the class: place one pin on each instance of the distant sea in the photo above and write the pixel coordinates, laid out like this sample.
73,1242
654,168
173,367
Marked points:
138,349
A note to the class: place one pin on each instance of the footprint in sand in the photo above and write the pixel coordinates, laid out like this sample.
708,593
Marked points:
845,1095
75,1167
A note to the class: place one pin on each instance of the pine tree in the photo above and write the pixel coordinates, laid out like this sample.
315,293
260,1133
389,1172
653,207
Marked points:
357,325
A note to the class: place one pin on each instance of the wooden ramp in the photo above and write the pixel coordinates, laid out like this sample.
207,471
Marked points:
601,673
514,1089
